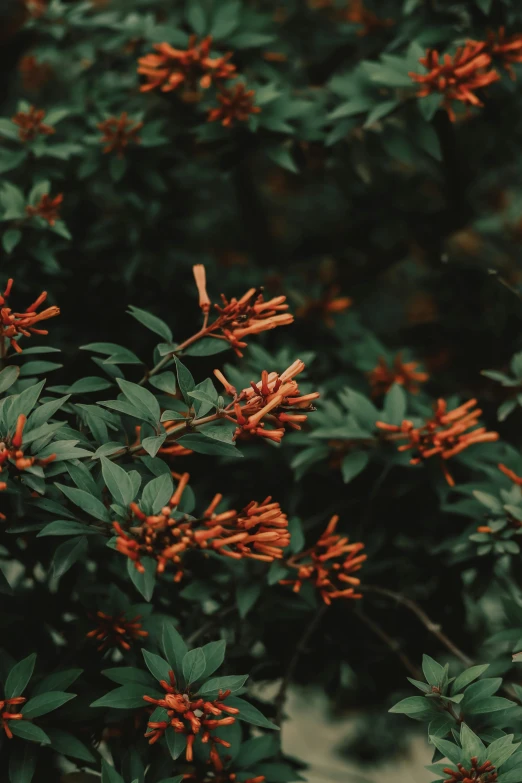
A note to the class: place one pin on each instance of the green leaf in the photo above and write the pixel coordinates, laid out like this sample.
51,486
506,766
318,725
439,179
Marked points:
118,482
117,168
353,464
247,595
256,749
207,346
59,680
441,725
232,683
28,731
141,398
193,664
8,376
249,713
395,404
66,527
22,763
471,744
109,774
214,656
67,554
143,582
129,674
127,697
156,494
91,383
196,17
68,745
413,705
19,676
10,239
467,677
501,750
185,380
176,743
87,502
157,666
153,445
432,670
174,648
152,322
489,704
202,444
478,690
448,749
44,703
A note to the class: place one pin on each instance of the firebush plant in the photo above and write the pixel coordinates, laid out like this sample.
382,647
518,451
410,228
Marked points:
257,420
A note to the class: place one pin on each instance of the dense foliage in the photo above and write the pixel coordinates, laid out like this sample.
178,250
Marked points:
275,425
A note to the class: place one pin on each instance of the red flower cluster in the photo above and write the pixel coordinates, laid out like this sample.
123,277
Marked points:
11,451
477,773
445,434
34,74
237,318
190,716
325,307
236,105
47,208
31,124
6,714
457,77
382,377
329,565
258,532
14,324
171,68
506,49
116,631
275,399
118,133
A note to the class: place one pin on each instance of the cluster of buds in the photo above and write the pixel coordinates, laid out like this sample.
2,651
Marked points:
456,77
477,773
6,713
325,307
113,631
11,451
238,318
382,377
189,68
190,716
217,772
235,105
504,49
118,133
48,208
445,435
13,325
353,12
329,565
275,399
258,532
31,124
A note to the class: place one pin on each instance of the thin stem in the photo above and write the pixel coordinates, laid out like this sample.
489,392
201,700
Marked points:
205,329
432,627
299,650
393,644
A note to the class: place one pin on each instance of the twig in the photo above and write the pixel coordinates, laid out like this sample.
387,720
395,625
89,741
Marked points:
432,627
300,648
393,644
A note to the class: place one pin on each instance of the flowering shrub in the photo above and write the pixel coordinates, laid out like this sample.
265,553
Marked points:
263,397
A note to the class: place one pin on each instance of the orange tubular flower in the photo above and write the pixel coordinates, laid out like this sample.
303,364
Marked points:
258,532
237,318
192,67
505,49
275,399
326,306
190,716
510,474
14,324
31,124
6,714
47,208
329,565
237,104
446,434
457,77
356,13
11,452
116,631
382,377
118,133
